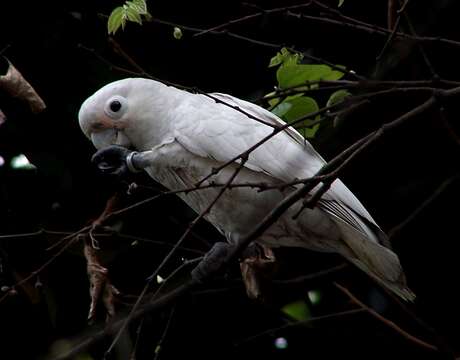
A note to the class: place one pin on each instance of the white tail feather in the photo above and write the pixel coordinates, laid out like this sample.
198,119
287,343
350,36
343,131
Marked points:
378,261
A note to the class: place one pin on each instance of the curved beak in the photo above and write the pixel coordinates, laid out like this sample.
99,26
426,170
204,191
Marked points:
106,137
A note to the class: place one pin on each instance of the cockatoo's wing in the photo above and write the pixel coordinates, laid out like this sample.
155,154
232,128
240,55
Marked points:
222,133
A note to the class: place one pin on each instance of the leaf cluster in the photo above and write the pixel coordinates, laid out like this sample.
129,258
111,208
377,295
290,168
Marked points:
134,11
300,78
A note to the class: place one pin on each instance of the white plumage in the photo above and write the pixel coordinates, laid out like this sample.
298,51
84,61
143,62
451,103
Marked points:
184,136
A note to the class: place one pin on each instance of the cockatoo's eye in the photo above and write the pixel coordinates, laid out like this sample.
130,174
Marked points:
115,107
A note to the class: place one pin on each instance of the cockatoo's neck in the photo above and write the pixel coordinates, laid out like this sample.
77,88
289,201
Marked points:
152,109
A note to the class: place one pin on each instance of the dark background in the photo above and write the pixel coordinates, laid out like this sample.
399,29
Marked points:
48,44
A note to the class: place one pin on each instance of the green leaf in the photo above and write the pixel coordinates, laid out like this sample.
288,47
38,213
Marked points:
297,310
133,15
123,21
139,5
314,296
285,57
281,109
303,106
295,107
290,76
142,4
130,11
300,106
115,20
340,3
338,96
274,101
177,33
309,132
335,74
275,61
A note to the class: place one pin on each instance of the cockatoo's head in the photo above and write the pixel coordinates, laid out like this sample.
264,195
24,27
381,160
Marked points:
120,113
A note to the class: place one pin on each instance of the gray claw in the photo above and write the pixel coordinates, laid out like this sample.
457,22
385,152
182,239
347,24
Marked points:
212,261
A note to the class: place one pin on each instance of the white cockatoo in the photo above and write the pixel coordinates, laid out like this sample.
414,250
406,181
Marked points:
180,137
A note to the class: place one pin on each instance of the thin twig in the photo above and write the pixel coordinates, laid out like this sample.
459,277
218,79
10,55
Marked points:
150,241
445,123
165,332
37,271
252,16
427,202
134,313
314,276
374,29
385,321
137,340
393,32
420,47
5,48
333,316
158,304
35,233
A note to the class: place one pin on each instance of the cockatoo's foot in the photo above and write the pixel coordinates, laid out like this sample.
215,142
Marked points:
257,264
212,261
256,268
115,160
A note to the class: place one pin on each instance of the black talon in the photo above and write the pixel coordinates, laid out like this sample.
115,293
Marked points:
212,261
